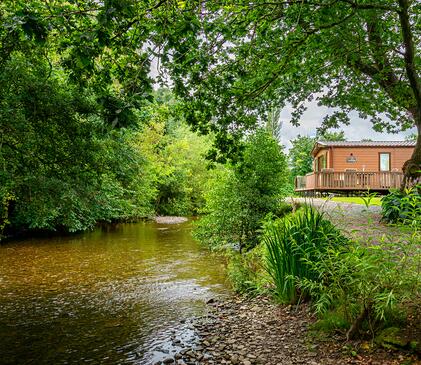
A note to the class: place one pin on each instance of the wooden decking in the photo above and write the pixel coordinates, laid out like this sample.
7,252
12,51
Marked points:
348,181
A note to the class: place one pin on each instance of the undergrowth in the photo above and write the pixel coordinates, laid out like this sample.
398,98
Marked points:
355,287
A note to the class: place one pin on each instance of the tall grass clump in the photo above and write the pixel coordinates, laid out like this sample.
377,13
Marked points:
294,244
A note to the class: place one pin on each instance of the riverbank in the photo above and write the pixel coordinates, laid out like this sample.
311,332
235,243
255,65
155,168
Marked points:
257,331
38,233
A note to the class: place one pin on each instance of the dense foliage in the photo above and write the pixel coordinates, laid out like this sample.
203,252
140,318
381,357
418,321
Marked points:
355,287
240,195
368,285
64,169
403,206
232,62
300,158
81,141
236,60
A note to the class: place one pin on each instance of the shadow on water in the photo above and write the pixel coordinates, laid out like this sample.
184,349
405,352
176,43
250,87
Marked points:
117,295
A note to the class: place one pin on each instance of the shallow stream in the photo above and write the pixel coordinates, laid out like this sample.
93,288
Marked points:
117,295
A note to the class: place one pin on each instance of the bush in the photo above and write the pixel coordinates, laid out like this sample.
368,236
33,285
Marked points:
294,244
370,285
403,206
240,196
357,287
245,271
283,209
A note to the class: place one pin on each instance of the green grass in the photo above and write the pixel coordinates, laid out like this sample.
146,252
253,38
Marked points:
356,200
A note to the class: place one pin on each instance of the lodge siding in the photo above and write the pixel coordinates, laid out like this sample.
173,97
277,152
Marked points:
367,157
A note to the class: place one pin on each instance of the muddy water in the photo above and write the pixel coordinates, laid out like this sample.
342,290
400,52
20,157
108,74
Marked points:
113,296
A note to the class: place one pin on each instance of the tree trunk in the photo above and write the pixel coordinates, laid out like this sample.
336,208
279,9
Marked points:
412,167
356,325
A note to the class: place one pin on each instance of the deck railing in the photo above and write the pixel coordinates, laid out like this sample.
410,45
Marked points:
349,180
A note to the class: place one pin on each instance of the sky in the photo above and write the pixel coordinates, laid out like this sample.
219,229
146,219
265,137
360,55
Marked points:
312,118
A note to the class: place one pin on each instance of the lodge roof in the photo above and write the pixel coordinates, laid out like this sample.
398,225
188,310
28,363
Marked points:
321,144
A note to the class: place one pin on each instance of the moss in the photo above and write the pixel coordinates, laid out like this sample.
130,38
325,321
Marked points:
391,338
331,321
415,346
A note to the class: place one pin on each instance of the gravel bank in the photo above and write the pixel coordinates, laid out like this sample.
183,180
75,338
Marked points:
248,332
170,220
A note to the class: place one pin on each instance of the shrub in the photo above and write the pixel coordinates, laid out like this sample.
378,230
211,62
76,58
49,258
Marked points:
6,199
403,206
294,244
245,271
240,196
370,284
283,209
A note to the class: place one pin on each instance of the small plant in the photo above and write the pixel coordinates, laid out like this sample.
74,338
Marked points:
367,197
332,320
245,272
370,284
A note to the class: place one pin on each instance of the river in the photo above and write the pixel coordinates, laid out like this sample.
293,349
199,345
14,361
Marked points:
117,295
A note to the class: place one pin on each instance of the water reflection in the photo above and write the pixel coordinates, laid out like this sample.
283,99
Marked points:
111,296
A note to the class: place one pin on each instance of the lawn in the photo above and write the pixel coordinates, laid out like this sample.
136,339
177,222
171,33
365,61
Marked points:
356,200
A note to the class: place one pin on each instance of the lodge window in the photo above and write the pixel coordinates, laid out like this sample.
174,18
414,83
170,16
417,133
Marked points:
321,163
384,161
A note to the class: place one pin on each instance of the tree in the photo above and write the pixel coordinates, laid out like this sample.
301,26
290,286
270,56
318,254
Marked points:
274,123
300,158
331,136
175,157
411,137
240,195
233,61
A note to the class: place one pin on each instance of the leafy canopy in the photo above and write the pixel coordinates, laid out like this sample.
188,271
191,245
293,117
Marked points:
235,61
232,62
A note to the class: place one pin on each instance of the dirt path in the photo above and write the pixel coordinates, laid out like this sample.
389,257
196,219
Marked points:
357,221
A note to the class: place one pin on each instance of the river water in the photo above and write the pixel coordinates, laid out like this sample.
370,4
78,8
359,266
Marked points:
117,295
